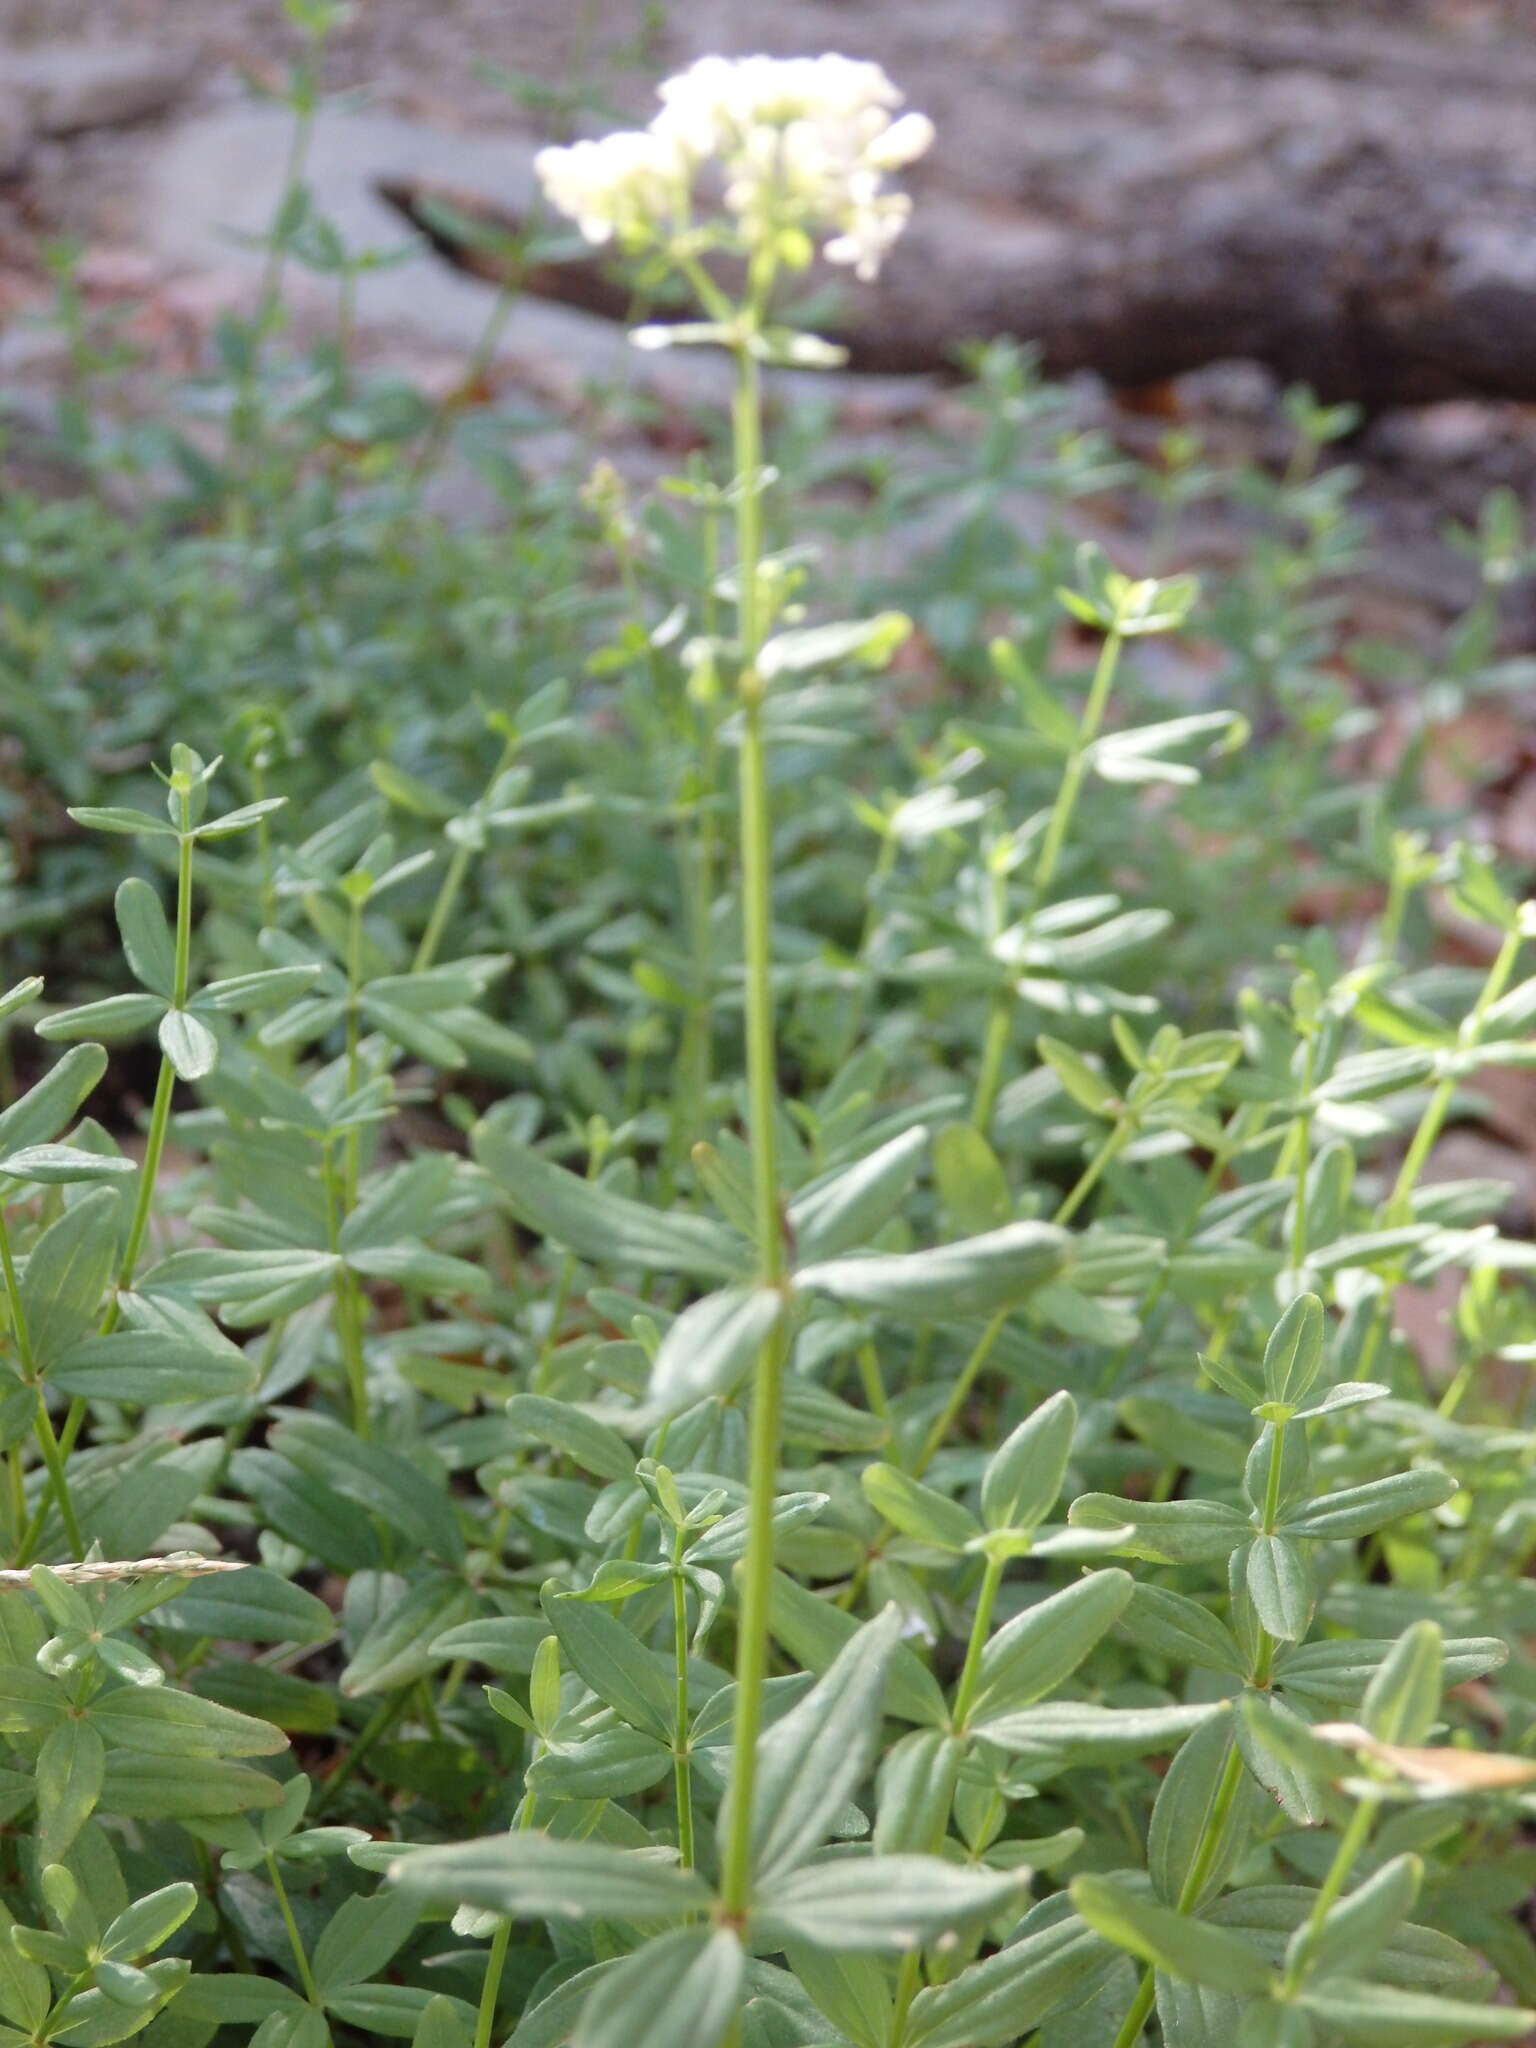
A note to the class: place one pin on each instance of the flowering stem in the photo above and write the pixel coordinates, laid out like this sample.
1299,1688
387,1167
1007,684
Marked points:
1072,775
762,1093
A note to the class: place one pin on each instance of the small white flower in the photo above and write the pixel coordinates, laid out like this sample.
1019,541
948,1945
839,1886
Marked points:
797,146
629,184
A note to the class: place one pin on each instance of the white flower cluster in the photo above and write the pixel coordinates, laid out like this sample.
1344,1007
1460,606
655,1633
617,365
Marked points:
801,144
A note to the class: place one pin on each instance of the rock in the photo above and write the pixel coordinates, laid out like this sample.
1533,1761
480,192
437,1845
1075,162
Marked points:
68,88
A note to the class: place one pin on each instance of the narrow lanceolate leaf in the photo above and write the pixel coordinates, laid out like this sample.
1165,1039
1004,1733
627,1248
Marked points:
1165,1532
847,1208
918,1511
1361,1510
711,1346
1034,1652
881,1905
1377,2016
1363,1922
1293,1357
1024,1475
1280,1586
998,2000
623,1673
683,1987
978,1276
810,1763
1402,1701
1183,1946
609,1229
49,1105
530,1876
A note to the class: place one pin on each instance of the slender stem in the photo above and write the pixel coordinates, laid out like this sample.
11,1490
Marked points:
47,1442
1119,1137
682,1769
1438,1107
1072,776
1351,1842
1272,1484
384,1718
490,1990
295,1939
981,1629
958,1394
442,909
762,1094
994,1050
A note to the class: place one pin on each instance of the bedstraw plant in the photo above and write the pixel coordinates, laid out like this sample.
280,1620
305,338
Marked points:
712,1409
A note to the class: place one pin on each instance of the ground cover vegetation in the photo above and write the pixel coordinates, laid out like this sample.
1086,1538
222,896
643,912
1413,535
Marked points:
741,1383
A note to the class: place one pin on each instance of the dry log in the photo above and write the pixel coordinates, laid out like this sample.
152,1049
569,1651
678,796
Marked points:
1345,194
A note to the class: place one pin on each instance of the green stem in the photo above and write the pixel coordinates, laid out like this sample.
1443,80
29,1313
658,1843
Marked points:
682,1763
994,1050
295,1939
1352,1841
958,1394
981,1629
1072,776
1119,1137
762,1096
442,909
47,1442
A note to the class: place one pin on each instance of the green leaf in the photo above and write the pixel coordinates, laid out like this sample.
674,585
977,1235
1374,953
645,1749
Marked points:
917,1510
159,1721
1293,1357
252,1606
1402,1701
141,1786
148,1923
360,1937
596,1447
1377,2016
381,1481
70,1771
1182,1946
400,1646
1165,1532
1195,1824
973,1189
606,1228
686,1986
1174,1626
1361,1510
1024,1475
811,1762
869,642
147,941
1362,1923
188,1044
813,1631
112,1017
997,2001
634,1681
67,1273
1280,1586
151,1366
50,1104
849,1207
978,1276
1031,1655
532,1876
1084,1083
881,1905
711,1346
